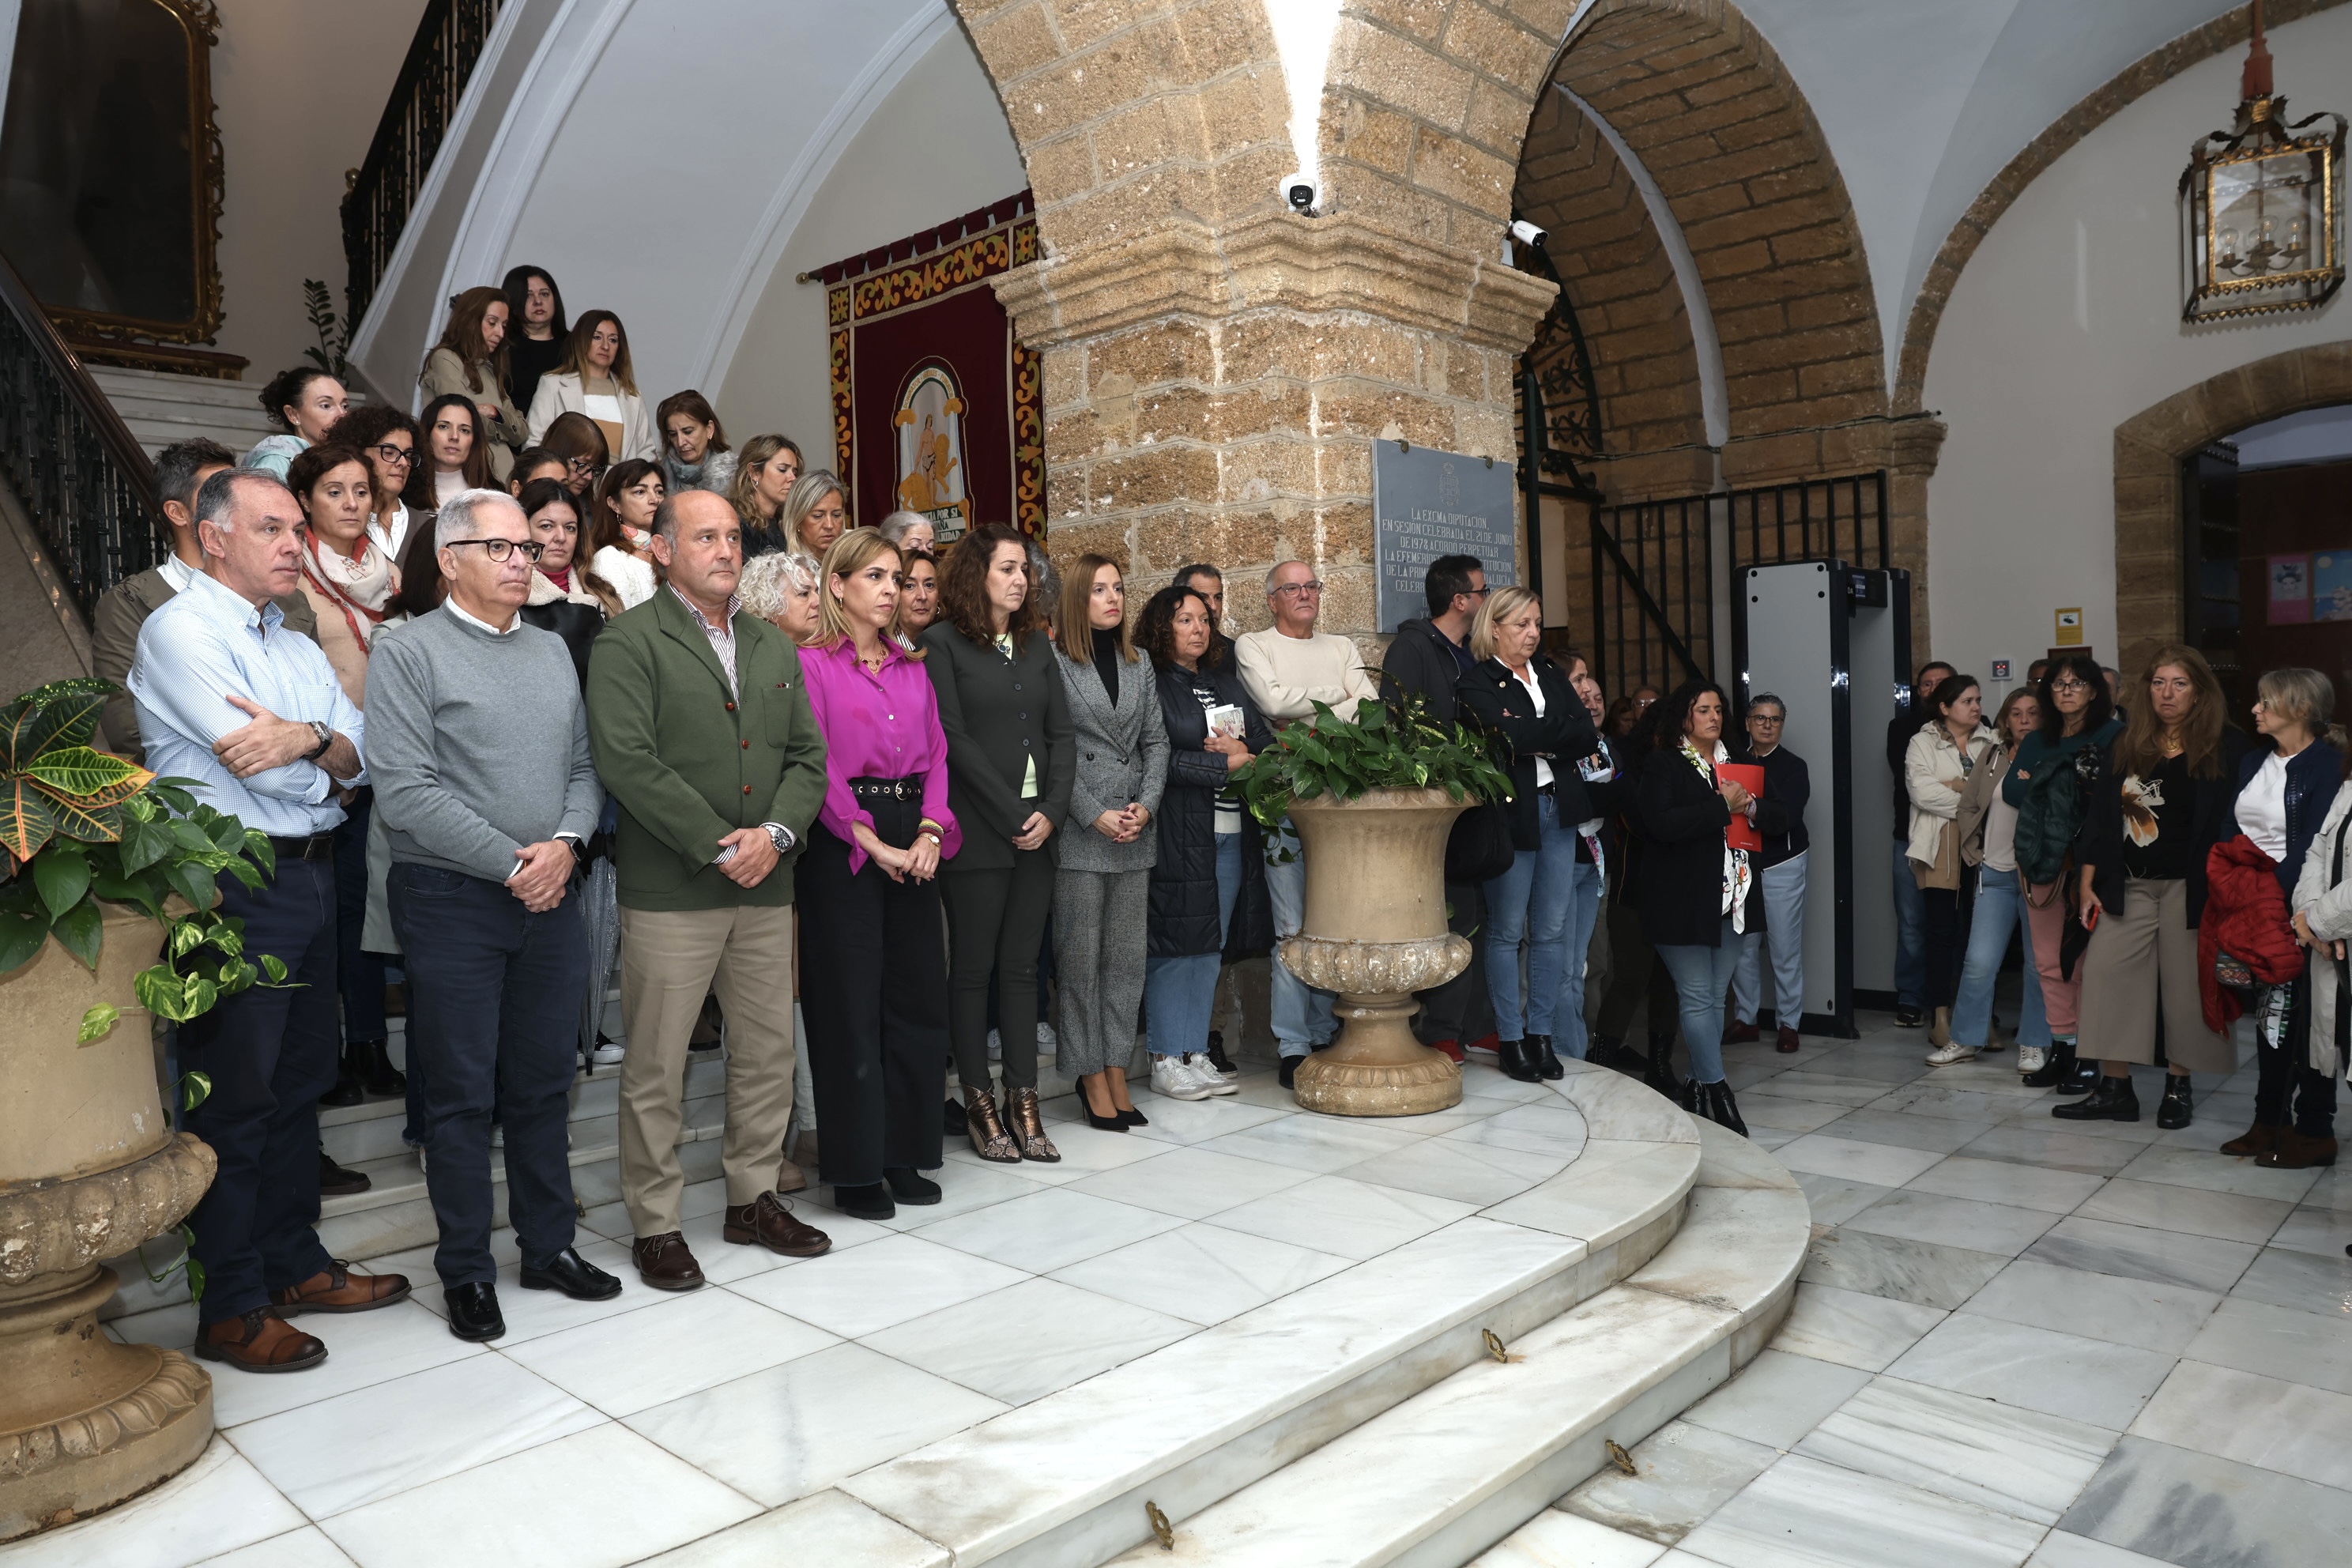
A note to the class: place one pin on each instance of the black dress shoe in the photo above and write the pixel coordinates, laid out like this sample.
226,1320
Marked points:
1543,1059
909,1185
2173,1112
952,1119
1513,1057
1287,1070
573,1275
1722,1108
339,1182
347,1090
2083,1077
1910,1019
871,1201
2055,1068
2112,1100
473,1312
372,1060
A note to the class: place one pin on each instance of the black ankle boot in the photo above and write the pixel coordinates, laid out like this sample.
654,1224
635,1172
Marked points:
347,1090
1693,1098
2172,1112
2113,1100
1543,1059
1606,1051
372,1060
2055,1068
1517,1060
1722,1108
909,1185
2084,1079
1661,1074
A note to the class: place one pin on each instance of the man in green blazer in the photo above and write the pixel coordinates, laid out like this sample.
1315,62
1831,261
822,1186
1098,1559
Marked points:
703,734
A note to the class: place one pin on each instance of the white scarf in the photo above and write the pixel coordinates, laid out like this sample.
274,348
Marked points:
357,585
1736,877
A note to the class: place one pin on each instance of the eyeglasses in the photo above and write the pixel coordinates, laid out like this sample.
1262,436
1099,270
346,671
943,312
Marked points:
2071,683
1766,719
499,549
395,457
1295,588
582,465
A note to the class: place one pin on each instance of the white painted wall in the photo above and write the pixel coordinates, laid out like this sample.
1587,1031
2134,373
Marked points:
2066,323
937,146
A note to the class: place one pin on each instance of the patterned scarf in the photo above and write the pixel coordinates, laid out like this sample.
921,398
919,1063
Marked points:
357,585
1736,877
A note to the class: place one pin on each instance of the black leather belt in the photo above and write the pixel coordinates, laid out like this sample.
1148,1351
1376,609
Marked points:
909,788
317,847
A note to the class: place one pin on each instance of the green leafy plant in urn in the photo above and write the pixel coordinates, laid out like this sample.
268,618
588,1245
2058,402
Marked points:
107,883
1372,799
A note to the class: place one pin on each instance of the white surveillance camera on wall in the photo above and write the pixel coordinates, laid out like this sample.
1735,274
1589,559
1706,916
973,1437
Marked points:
1301,194
1527,234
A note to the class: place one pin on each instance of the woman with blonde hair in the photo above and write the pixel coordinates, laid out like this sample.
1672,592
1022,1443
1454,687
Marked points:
817,512
621,532
596,378
470,362
765,472
2161,802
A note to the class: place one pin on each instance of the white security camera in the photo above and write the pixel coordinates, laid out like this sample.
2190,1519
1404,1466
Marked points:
1527,234
1300,191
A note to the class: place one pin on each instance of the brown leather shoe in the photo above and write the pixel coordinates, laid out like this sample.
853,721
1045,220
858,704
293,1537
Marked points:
665,1262
1029,1127
1738,1034
1787,1042
336,1288
2295,1151
259,1341
2259,1139
768,1220
990,1141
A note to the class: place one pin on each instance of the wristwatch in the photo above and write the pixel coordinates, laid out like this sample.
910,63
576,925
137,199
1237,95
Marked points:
780,835
326,737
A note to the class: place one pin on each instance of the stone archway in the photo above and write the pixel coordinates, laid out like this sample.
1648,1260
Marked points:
2149,447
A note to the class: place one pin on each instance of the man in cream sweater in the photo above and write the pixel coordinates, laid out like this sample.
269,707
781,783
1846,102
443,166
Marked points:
1287,669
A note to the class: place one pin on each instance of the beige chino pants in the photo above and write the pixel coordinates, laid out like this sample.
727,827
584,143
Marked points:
669,960
2139,960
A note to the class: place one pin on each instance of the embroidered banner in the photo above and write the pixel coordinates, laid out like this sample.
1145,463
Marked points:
935,408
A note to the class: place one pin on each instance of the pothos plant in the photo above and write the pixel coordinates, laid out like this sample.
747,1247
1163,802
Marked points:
80,828
1382,747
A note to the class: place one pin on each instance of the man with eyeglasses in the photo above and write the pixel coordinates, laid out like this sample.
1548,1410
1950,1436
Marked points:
487,790
1287,669
1779,814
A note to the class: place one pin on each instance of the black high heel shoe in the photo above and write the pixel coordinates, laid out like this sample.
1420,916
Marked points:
1543,1059
1518,1059
1114,1122
2055,1070
1722,1108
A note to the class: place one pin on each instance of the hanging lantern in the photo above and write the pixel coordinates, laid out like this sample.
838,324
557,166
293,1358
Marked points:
2262,210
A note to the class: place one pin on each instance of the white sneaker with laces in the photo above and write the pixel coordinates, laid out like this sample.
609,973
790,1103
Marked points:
1045,1040
606,1054
1171,1076
2032,1059
1208,1076
1951,1055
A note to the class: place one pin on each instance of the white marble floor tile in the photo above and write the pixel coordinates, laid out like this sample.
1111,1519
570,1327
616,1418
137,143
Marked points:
2003,1182
1851,1329
1353,1219
1915,1271
704,1338
1836,1199
2036,1368
173,1327
1938,1097
869,1288
362,1349
2262,1421
1479,1173
599,1500
1772,1137
797,1428
2325,1231
1828,1088
1319,1144
2059,1550
823,1528
419,1429
1773,1109
1889,1063
1192,1183
1029,1340
2197,1211
218,1504
305,1548
1777,1398
2020,1463
2183,1507
1802,1513
2306,1281
1900,1129
961,1189
2044,1143
1557,1130
2333,1188
2191,1166
1881,1165
2110,1307
1084,1150
1954,1222
1202,1273
1683,1473
1197,1121
2277,1342
2137,1252
1481,1081
1050,1229
1557,1539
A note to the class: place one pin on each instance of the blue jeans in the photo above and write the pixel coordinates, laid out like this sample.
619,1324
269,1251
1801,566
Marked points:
1303,1020
1583,913
1702,974
1180,994
1530,901
1910,930
2000,904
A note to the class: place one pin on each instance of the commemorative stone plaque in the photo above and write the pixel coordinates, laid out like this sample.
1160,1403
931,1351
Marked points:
1427,503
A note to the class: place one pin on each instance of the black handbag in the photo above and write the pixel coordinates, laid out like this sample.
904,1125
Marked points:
1479,850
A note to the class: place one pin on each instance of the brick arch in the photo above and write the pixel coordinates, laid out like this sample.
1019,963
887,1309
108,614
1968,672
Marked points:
2149,447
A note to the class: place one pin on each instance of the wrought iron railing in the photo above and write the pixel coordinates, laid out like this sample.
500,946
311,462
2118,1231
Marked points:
441,58
68,455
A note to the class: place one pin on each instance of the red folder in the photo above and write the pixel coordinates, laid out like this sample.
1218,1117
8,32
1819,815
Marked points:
1750,776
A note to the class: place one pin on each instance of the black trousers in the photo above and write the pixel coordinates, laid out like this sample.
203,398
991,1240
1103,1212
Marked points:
996,921
1947,944
1458,1010
2286,1088
874,996
494,1015
358,974
1635,975
270,1053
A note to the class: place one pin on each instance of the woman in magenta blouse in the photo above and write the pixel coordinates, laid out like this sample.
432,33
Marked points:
874,979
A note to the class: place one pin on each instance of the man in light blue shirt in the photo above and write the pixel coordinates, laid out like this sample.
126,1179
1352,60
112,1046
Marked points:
252,711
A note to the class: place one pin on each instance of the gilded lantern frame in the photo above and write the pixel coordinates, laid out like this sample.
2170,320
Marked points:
2262,136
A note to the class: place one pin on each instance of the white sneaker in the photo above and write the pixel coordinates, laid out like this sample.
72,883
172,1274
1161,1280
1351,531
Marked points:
996,1045
1171,1076
1951,1055
1207,1077
2032,1059
605,1054
1045,1040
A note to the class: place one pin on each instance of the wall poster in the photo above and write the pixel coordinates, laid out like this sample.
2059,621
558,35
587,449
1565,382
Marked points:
2289,592
935,408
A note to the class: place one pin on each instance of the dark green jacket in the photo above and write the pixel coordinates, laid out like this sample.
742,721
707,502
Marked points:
689,763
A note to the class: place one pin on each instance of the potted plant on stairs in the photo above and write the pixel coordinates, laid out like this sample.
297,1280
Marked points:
1372,799
107,883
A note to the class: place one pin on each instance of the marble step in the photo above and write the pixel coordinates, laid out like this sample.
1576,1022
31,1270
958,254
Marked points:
1062,1482
1444,1475
161,407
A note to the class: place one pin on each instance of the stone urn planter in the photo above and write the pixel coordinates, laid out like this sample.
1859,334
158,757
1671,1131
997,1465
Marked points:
1375,932
89,1168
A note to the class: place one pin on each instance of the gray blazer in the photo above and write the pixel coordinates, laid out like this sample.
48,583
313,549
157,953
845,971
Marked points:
1122,756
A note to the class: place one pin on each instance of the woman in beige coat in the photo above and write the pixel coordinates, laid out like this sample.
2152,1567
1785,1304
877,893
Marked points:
598,379
1942,758
470,362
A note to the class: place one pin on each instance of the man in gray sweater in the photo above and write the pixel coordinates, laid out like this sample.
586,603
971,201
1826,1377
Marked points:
478,746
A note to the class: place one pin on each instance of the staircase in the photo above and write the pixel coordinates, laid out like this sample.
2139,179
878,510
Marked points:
161,409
